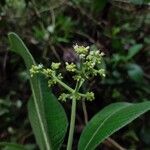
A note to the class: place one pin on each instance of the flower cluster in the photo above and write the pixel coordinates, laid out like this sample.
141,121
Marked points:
50,73
81,50
78,96
70,67
36,69
86,67
88,63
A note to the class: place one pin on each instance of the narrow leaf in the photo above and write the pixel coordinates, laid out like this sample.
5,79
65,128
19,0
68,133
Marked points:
39,112
55,117
134,50
19,47
109,120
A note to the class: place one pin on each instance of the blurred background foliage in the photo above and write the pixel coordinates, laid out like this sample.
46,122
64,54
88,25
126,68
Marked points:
119,28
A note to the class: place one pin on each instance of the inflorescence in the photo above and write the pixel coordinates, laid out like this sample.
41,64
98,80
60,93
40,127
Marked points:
86,67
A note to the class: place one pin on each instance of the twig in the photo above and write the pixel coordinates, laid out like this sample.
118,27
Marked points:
114,144
35,8
55,52
84,13
53,7
147,76
5,61
89,38
85,112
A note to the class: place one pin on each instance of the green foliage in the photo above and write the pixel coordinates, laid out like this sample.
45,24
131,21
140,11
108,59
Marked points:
108,121
18,46
40,33
41,122
135,72
11,146
43,106
18,7
56,127
63,28
120,28
98,6
134,50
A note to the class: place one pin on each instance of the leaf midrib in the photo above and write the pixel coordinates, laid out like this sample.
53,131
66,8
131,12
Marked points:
45,136
103,123
40,119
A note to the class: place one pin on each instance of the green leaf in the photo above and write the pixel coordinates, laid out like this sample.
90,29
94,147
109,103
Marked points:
134,50
41,115
109,120
19,47
135,72
11,146
55,117
98,5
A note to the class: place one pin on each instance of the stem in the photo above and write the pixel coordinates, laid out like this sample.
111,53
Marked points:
63,85
73,116
72,125
114,144
69,88
73,108
85,112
